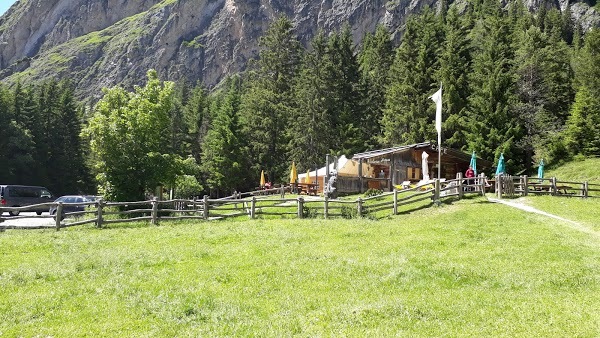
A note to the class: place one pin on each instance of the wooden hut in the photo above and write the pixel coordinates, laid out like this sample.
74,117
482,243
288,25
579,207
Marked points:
391,167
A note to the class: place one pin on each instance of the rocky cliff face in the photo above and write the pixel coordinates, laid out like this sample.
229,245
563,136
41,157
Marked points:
100,43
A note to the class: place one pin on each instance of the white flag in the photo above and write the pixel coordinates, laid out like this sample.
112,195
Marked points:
437,98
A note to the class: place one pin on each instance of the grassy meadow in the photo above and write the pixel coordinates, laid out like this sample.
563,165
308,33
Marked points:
577,171
470,268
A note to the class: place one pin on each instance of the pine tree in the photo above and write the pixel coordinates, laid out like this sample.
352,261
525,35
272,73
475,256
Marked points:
16,146
223,157
492,125
409,115
197,119
454,59
583,126
531,93
266,103
311,125
375,60
344,94
68,172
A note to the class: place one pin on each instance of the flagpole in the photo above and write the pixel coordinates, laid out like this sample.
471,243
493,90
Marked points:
439,155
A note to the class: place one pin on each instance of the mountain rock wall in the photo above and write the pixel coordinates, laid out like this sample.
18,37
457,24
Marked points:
102,43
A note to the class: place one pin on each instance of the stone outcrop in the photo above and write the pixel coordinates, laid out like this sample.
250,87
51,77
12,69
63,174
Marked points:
100,43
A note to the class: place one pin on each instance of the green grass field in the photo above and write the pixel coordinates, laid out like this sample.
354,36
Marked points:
470,268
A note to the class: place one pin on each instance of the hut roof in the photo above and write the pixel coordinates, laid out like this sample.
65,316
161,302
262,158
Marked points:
428,146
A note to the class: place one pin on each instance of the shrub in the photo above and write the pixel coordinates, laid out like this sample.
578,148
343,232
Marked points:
373,192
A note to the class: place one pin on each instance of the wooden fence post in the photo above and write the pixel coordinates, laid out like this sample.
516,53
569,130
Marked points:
461,187
100,213
482,184
253,207
205,207
436,190
395,201
553,186
300,207
326,207
499,179
155,211
525,186
586,189
359,206
58,215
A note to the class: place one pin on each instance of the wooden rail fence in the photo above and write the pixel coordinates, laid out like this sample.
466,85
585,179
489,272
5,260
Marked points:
266,203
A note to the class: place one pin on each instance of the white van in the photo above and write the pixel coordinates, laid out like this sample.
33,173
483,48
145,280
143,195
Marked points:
24,195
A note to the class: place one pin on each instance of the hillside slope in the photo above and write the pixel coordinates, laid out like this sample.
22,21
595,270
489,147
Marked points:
577,171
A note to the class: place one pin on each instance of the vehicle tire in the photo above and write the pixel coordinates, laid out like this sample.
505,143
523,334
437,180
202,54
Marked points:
14,213
54,215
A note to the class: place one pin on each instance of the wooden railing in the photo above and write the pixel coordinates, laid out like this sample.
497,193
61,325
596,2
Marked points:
266,203
256,204
510,186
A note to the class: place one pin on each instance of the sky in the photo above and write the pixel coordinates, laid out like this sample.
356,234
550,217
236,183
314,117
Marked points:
5,5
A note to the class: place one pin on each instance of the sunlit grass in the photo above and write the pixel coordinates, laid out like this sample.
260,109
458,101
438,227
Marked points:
584,211
466,269
577,171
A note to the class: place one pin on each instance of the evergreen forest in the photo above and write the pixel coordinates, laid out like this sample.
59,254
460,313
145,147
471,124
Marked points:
515,83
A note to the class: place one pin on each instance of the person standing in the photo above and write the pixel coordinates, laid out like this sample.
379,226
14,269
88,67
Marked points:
470,173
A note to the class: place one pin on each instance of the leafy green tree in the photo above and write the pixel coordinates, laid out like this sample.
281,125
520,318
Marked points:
129,141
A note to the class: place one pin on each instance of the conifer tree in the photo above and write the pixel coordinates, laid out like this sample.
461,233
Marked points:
16,146
344,94
223,156
266,103
492,125
197,119
583,126
375,60
311,125
409,115
454,59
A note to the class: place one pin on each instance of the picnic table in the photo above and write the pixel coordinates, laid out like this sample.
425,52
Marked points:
307,188
561,189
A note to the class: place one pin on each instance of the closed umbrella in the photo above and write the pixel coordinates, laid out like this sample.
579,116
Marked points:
293,174
500,169
307,177
262,178
473,163
425,166
541,170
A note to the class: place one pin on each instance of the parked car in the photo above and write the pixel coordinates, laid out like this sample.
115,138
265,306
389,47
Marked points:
24,195
72,207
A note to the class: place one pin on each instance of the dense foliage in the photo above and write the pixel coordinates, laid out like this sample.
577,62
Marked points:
522,84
